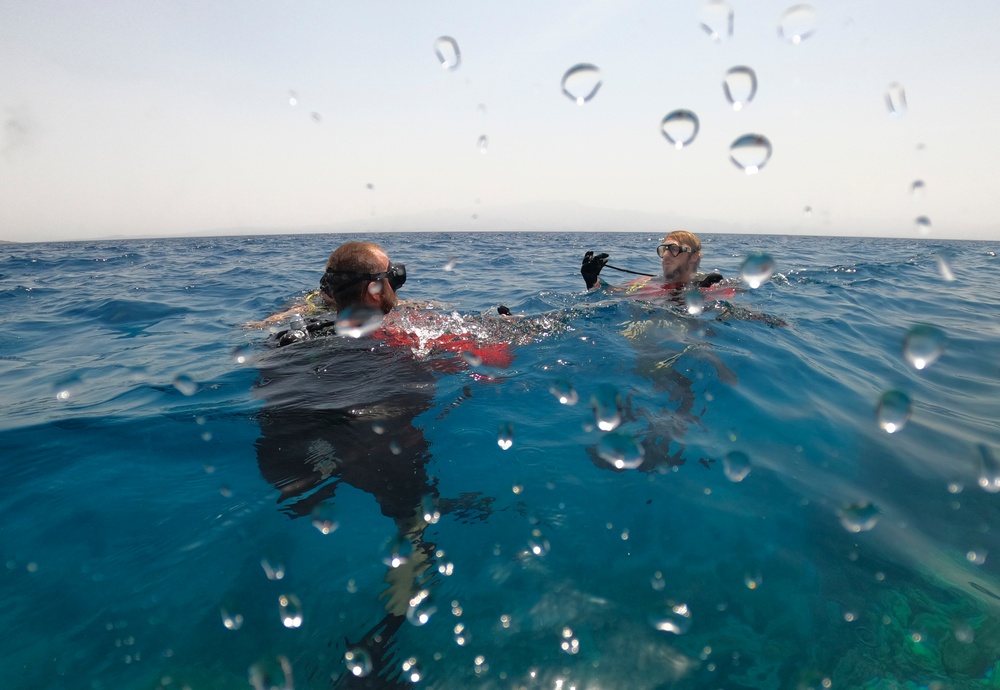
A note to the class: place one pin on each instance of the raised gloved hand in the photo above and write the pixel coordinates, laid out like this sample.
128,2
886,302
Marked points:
592,266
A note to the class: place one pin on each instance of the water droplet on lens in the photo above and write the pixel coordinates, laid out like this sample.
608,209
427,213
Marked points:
858,517
241,356
429,509
807,211
923,224
657,582
421,609
271,674
317,117
581,83
293,98
607,407
291,610
923,345
411,670
671,617
448,54
450,266
538,545
358,322
797,23
917,189
736,465
717,19
185,384
680,128
231,621
753,580
505,436
67,387
358,662
564,392
893,411
400,551
944,266
740,86
620,451
756,269
483,143
694,301
989,470
324,518
895,100
750,152
273,570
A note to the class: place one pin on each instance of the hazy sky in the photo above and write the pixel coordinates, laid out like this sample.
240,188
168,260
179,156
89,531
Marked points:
149,118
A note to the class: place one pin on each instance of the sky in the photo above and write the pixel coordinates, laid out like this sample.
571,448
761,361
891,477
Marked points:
132,118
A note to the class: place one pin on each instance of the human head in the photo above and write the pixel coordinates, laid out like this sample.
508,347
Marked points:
358,258
684,266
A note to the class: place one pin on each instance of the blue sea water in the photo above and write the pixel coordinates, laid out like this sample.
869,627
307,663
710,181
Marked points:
166,470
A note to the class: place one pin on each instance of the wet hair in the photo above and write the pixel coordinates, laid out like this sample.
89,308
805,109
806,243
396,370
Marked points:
351,257
688,239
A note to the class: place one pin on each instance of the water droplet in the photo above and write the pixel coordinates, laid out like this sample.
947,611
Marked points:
657,582
272,674
753,579
607,407
358,662
893,411
293,98
564,392
756,269
976,557
538,545
358,322
370,186
231,621
989,470
917,189
411,670
620,451
400,551
505,436
452,261
291,610
185,384
420,609
858,517
736,465
944,266
963,632
807,211
923,224
472,359
68,386
716,17
671,617
797,23
273,570
895,100
429,509
483,143
680,128
923,345
324,518
241,356
750,152
694,301
448,54
316,117
581,83
740,86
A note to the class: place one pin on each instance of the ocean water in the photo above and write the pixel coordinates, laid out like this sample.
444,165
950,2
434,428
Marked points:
718,503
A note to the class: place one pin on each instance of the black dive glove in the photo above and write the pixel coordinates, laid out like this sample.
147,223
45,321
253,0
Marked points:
592,266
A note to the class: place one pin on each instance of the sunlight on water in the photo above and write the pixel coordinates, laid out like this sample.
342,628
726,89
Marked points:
447,52
680,128
581,83
750,153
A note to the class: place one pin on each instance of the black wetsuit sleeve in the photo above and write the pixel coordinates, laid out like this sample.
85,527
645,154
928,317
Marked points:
710,280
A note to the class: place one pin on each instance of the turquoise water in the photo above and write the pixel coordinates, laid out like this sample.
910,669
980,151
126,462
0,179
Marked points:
148,438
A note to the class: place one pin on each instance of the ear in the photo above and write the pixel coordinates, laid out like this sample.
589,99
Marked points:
371,300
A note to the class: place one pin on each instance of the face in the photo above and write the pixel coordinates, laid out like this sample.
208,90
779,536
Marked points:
677,268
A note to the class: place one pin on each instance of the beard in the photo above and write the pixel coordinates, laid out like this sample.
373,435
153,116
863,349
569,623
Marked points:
387,301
